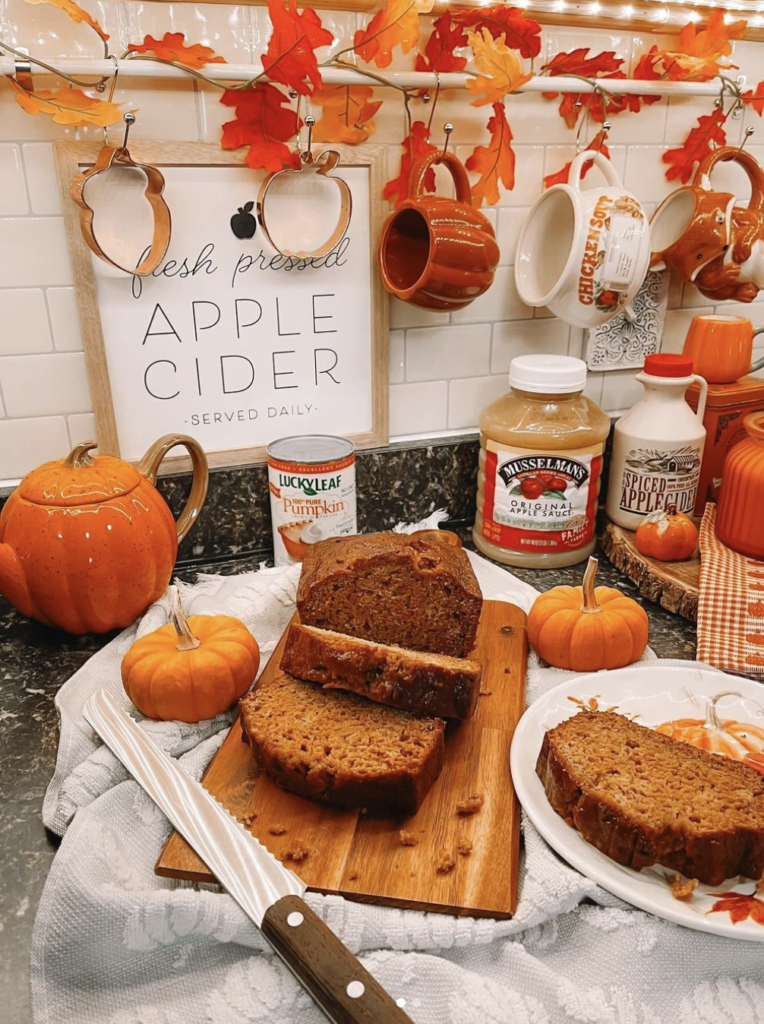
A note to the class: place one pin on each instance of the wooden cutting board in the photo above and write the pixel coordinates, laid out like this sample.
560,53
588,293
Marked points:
361,857
673,585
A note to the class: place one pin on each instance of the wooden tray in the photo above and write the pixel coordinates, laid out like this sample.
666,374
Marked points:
673,585
361,857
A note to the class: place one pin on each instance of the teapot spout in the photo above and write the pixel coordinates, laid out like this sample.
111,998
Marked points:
13,584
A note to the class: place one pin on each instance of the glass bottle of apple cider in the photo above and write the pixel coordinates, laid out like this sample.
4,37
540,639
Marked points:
541,452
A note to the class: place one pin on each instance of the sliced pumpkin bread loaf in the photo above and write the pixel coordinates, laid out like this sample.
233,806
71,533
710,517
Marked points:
425,684
340,748
417,591
643,798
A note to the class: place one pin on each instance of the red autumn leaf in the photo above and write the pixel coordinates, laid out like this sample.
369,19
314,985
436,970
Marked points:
602,65
265,122
520,32
696,146
561,177
756,99
439,53
577,62
290,57
739,906
414,145
495,162
646,70
172,46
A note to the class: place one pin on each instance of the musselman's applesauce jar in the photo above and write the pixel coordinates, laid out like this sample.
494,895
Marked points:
540,466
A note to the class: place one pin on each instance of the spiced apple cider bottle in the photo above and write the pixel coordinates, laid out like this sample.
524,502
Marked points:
540,465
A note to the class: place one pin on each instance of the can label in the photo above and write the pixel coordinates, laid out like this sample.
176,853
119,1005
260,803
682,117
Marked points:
540,501
310,502
655,476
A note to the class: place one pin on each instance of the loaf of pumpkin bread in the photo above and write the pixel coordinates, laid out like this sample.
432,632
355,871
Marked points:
340,748
643,798
412,591
425,684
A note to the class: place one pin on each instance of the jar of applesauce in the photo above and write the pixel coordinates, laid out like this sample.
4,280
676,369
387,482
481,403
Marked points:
540,466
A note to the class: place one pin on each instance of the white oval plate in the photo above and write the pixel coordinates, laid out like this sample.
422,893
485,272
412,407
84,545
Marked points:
657,694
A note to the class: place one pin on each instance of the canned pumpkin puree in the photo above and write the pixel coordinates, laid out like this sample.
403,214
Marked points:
312,483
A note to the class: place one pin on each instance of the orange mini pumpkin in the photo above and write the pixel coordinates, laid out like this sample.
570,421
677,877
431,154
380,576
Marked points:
668,535
190,669
587,629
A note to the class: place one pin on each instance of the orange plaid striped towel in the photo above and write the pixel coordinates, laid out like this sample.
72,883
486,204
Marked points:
731,604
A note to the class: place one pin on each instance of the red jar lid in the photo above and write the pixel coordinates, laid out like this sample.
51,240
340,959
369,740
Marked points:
665,364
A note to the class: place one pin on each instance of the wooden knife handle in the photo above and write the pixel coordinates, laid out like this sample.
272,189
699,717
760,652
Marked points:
341,986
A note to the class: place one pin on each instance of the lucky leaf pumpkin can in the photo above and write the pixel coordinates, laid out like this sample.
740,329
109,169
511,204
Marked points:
586,628
88,543
191,669
668,535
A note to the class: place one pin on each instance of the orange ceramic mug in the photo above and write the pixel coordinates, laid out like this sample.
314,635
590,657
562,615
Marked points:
435,252
721,347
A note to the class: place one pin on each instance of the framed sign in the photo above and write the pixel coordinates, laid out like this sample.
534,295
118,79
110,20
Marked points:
227,340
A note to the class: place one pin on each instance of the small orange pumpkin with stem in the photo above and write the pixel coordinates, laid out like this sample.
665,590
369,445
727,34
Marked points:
586,628
668,535
192,668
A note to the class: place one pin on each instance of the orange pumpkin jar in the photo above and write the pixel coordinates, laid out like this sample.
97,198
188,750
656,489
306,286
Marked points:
739,510
87,544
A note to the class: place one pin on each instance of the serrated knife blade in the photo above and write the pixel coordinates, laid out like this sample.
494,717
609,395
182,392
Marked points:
269,893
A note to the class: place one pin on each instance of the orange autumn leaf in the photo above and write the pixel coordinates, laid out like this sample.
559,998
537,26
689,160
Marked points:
290,57
265,121
709,131
397,24
739,906
75,12
495,162
755,99
416,144
561,176
172,46
699,53
501,69
347,114
67,106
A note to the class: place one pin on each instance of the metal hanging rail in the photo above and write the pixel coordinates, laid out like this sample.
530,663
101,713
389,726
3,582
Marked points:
136,68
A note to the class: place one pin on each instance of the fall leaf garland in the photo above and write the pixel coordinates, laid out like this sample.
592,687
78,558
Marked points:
172,46
495,163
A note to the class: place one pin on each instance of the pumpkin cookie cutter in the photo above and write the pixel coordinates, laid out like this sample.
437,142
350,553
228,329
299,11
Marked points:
322,164
108,157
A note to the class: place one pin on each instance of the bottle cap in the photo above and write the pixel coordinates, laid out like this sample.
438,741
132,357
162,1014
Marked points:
546,374
665,364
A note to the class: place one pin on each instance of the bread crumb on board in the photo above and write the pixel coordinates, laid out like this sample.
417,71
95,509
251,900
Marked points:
471,805
445,862
352,876
485,693
407,838
297,852
683,888
277,830
463,846
247,819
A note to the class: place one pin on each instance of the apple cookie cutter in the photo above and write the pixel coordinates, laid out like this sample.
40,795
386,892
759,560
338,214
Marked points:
322,164
155,183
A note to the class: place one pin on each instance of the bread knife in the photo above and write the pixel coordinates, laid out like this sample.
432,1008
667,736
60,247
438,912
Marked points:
266,891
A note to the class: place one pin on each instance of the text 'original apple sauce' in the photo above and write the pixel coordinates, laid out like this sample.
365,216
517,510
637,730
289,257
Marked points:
541,452
312,484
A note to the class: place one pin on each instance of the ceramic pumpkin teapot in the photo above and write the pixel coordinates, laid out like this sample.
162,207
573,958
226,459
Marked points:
88,543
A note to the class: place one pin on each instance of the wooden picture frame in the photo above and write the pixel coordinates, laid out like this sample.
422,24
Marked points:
74,157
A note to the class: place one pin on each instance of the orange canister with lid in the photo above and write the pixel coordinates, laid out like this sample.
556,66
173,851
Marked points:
738,512
541,451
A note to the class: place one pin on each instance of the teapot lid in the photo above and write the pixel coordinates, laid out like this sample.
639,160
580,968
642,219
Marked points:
79,479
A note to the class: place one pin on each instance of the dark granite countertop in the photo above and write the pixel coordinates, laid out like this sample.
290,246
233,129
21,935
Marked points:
35,662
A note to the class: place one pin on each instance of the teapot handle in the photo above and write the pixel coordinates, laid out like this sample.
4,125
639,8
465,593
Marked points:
149,465
749,164
455,166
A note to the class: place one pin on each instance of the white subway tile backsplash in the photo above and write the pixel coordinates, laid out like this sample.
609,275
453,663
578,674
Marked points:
645,173
81,428
442,353
397,357
24,324
418,408
467,399
500,302
676,326
620,390
41,178
511,223
64,319
33,252
43,385
25,444
523,337
403,314
13,192
529,175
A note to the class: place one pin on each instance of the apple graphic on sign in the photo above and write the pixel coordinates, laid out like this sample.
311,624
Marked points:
243,224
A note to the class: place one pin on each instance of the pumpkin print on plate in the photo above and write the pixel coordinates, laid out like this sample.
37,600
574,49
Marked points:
739,740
